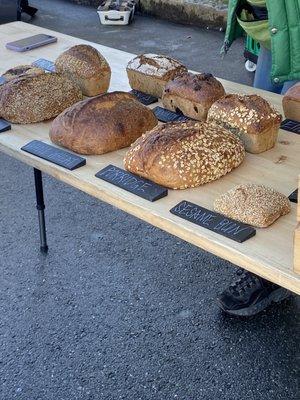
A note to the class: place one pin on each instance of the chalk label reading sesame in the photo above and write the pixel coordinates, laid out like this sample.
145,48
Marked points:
213,221
132,183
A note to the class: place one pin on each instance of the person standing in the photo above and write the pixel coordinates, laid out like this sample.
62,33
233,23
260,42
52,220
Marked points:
275,24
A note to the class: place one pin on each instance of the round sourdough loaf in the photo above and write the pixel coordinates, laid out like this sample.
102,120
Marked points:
35,98
86,67
102,124
22,70
192,94
181,155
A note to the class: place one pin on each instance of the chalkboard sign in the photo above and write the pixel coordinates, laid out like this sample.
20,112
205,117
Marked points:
144,98
56,156
164,115
132,183
290,125
213,221
293,197
2,80
4,125
44,64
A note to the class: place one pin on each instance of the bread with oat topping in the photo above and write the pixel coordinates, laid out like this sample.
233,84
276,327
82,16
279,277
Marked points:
86,67
192,94
149,73
35,98
253,204
182,155
250,117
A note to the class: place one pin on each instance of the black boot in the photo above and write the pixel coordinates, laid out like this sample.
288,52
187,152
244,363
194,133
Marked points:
26,8
250,294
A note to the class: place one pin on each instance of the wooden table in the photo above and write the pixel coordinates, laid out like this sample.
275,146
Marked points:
268,254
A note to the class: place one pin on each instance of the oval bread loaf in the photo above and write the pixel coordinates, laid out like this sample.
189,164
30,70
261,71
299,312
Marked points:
35,98
86,67
102,124
185,154
22,70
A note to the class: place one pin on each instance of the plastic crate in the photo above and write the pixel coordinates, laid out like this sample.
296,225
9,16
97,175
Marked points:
114,12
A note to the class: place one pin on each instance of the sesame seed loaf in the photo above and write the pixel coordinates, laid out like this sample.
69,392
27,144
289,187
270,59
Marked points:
35,98
291,103
22,70
86,67
181,155
253,204
250,117
149,73
192,94
102,124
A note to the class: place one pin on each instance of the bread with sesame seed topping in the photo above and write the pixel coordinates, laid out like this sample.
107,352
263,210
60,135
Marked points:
192,94
250,117
84,65
253,204
182,155
149,73
102,124
35,98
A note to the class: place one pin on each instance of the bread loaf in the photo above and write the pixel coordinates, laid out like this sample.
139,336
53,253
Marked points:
291,103
86,67
102,124
22,70
185,154
192,94
35,98
253,204
250,117
149,73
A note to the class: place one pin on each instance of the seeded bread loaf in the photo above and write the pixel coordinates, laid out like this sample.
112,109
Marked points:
250,117
22,70
36,98
181,155
192,94
86,67
149,73
253,204
102,124
291,103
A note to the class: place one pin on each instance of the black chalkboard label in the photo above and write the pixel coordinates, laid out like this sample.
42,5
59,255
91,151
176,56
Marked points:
4,125
164,115
57,156
44,64
213,221
132,183
293,197
2,80
144,98
290,125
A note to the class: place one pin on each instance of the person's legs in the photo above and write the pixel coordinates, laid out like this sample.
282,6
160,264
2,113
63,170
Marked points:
262,79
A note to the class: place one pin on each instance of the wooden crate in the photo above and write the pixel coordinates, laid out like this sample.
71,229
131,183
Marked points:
297,237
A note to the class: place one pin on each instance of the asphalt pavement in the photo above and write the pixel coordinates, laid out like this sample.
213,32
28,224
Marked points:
119,309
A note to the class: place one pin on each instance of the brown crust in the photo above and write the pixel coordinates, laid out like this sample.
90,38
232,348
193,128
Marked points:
293,93
22,70
35,98
102,124
253,204
86,67
250,114
185,154
291,103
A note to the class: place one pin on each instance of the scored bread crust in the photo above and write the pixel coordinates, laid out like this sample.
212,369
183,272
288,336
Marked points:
22,70
250,117
185,154
102,124
291,103
192,94
149,73
253,204
86,67
35,98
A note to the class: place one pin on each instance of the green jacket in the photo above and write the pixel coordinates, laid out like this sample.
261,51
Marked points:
284,23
